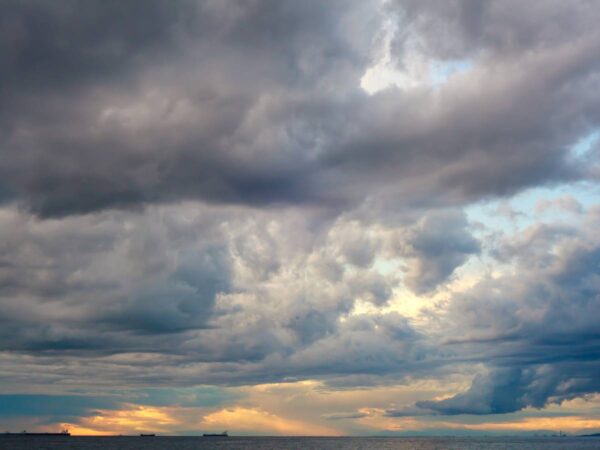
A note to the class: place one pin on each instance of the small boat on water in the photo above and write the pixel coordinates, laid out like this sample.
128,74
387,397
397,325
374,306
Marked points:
147,435
223,434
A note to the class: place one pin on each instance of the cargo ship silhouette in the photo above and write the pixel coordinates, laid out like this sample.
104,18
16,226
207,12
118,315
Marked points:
223,434
64,432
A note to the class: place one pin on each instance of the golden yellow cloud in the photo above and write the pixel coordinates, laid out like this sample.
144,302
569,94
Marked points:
165,420
303,408
257,421
134,419
568,423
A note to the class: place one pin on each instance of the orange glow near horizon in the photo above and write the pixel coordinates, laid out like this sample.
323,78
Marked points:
133,420
567,423
571,424
166,420
256,420
79,430
281,409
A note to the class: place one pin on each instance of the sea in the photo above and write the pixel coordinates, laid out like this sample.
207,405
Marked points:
297,443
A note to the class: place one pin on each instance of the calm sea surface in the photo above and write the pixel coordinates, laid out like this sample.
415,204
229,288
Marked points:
273,443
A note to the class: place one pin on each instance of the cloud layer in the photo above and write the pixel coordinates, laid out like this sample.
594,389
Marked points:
234,193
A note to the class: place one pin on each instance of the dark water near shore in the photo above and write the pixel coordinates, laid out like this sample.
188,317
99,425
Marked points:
276,443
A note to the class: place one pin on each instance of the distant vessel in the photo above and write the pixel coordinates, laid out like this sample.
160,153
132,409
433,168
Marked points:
147,435
223,434
64,432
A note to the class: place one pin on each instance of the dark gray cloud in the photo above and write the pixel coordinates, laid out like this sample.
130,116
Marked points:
346,415
51,47
466,27
434,247
509,390
121,106
128,278
185,111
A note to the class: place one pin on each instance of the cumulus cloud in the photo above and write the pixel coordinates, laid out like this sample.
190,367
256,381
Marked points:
202,287
260,103
437,245
534,327
508,390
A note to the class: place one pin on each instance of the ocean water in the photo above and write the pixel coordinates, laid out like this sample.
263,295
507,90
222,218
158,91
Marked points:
285,443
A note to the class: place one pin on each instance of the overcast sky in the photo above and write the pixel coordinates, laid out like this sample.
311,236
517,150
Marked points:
300,217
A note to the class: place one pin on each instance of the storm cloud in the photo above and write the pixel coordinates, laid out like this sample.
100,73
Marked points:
258,103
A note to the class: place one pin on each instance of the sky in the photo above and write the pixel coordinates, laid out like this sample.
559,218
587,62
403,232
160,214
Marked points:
342,217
